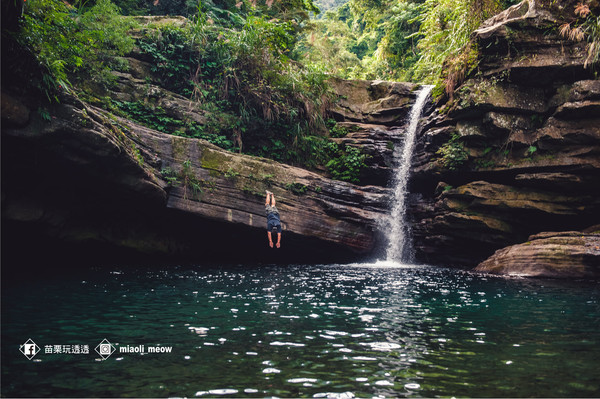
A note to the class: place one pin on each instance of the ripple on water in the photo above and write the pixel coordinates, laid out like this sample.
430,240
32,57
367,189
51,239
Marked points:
224,391
339,328
290,344
302,380
381,346
335,395
271,370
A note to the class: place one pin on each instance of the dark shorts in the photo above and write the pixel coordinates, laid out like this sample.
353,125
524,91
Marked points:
273,223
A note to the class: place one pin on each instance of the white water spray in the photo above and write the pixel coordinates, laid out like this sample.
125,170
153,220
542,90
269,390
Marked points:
399,246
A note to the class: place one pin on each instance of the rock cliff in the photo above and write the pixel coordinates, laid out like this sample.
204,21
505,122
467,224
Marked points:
568,254
80,179
517,151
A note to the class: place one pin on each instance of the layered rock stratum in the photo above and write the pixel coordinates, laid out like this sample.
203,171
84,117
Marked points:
567,254
517,150
87,180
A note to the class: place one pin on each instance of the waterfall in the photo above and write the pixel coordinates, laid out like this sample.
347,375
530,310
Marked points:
398,230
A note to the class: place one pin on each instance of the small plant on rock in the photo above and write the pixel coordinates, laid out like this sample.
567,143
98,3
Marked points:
452,154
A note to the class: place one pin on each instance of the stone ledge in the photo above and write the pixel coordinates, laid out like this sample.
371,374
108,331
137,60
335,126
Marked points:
569,254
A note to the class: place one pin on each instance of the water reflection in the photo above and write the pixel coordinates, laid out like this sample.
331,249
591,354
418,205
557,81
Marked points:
310,331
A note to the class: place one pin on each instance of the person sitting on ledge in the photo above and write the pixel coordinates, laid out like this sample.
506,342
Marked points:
273,222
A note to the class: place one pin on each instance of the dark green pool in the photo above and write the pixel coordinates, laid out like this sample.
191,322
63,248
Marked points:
300,331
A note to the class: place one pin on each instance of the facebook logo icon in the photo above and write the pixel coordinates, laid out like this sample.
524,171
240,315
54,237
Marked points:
29,349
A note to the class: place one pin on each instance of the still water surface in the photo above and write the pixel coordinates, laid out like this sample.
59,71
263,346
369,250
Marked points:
302,331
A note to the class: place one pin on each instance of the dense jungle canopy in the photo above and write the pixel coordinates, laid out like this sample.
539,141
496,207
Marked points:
259,68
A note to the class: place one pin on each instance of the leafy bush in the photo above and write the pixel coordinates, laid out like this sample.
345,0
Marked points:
452,154
347,163
261,101
173,59
155,118
335,130
71,45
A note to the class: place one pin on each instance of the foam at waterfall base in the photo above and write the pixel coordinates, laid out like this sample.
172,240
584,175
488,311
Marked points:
386,264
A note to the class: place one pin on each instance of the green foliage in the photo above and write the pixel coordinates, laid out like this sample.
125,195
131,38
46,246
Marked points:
331,46
72,46
170,176
297,188
585,26
137,154
231,174
173,58
408,40
256,99
452,154
347,163
189,180
242,64
592,29
44,114
156,118
336,130
195,131
446,29
367,39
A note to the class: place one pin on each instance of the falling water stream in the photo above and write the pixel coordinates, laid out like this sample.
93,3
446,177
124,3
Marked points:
399,247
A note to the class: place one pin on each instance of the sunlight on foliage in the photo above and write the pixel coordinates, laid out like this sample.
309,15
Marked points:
72,45
425,41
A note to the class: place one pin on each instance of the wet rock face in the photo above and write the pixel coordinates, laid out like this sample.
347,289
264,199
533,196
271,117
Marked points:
81,179
520,40
218,185
517,151
374,102
570,254
375,115
90,179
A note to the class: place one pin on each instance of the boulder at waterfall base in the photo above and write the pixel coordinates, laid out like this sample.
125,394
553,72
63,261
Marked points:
570,254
